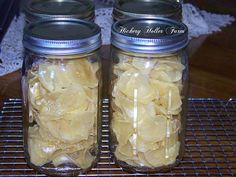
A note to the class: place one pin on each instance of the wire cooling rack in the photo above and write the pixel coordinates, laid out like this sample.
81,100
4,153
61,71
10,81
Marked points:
210,142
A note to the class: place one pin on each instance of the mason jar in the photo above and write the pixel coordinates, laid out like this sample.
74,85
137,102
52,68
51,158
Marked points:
148,93
124,9
61,87
41,9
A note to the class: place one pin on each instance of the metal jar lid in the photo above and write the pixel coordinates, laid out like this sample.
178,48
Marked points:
124,9
41,9
149,35
62,36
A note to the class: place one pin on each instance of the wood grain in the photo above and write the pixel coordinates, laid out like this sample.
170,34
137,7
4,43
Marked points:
213,66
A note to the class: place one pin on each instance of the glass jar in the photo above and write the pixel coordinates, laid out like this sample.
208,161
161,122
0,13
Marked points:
61,87
124,9
148,93
41,9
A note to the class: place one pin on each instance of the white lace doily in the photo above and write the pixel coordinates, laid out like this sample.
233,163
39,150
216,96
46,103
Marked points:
11,52
198,21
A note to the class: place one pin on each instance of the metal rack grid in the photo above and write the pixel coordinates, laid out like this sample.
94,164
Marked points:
210,142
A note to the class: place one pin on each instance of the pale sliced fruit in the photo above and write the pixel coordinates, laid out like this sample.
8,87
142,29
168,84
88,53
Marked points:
144,65
73,127
153,129
136,86
123,129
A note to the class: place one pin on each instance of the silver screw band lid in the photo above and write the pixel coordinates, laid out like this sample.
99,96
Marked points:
41,9
124,9
149,35
62,36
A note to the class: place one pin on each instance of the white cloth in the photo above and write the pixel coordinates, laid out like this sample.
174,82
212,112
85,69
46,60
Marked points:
11,52
198,21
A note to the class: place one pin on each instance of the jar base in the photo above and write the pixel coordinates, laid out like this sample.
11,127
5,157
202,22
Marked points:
66,170
131,169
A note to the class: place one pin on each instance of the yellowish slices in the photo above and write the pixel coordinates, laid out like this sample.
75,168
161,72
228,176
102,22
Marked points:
146,108
63,110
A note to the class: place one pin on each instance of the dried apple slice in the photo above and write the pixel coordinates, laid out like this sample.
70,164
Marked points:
133,109
169,96
145,66
40,150
168,71
142,161
127,154
84,72
82,159
73,127
54,76
142,145
36,92
153,129
61,159
127,150
156,158
70,99
136,86
123,129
